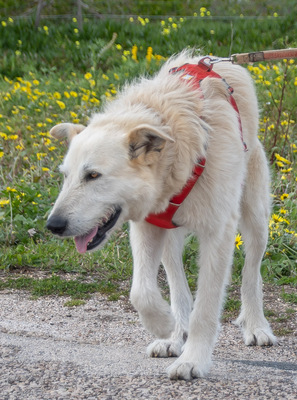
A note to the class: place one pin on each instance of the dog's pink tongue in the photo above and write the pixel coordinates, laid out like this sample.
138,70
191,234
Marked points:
81,242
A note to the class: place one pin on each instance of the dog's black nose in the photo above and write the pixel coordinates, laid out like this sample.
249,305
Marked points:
56,224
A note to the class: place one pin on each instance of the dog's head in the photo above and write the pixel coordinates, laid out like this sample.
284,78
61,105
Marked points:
110,177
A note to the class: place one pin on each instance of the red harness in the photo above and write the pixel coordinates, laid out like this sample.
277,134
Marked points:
193,73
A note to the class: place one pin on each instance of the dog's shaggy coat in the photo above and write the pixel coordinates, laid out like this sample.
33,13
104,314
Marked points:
131,159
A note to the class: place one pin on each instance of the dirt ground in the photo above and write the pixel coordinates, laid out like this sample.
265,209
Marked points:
97,351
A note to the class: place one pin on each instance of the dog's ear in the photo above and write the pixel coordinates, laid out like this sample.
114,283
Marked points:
66,130
145,139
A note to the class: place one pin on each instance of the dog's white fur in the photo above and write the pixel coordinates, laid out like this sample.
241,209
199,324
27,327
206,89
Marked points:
145,144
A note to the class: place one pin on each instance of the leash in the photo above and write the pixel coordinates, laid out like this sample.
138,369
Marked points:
267,55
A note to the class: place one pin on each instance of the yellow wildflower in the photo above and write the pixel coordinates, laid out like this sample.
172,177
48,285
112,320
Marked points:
9,189
57,95
238,241
88,75
4,202
282,159
61,104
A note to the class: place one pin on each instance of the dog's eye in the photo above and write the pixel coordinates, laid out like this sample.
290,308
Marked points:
92,175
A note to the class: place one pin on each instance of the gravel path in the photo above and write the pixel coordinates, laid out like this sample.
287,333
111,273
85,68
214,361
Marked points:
97,351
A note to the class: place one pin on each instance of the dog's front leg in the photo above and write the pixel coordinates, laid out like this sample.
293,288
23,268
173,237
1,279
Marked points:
147,242
180,297
216,251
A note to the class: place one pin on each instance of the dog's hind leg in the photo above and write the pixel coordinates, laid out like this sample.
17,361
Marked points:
147,242
254,228
180,296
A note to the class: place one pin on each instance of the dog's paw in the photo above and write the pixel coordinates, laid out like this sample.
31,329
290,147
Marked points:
180,370
258,335
165,348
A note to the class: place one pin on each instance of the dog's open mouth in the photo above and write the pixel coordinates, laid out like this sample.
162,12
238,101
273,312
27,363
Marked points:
92,239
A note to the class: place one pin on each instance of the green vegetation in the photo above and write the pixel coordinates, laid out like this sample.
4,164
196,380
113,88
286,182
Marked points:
58,73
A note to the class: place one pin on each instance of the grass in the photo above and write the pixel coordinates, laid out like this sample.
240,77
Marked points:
57,73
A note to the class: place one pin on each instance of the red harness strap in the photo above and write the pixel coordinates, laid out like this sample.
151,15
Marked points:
194,74
164,219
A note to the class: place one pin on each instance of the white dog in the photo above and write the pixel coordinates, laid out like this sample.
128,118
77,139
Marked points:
132,160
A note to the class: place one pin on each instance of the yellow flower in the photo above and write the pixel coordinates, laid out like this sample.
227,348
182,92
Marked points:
166,31
105,77
61,104
57,95
238,241
88,75
41,155
94,100
282,159
280,164
9,189
149,54
286,170
3,202
45,170
3,23
284,196
1,154
134,53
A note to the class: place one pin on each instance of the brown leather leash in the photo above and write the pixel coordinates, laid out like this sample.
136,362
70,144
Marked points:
267,55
